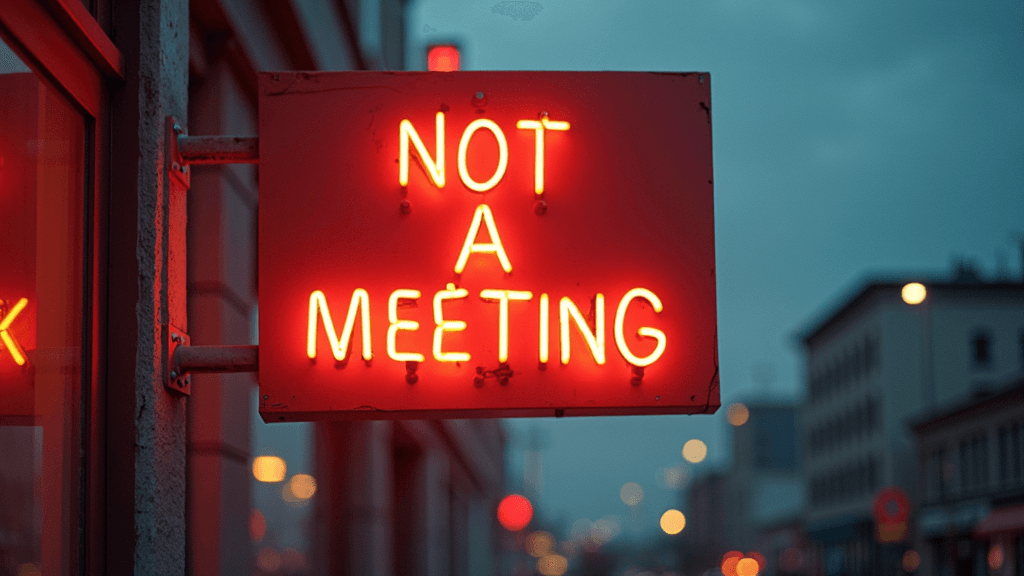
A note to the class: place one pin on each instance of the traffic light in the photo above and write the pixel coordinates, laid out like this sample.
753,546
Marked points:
443,58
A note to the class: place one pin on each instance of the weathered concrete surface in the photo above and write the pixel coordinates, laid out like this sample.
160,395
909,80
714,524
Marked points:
160,415
146,437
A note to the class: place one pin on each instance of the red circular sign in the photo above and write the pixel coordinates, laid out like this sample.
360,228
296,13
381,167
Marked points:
891,506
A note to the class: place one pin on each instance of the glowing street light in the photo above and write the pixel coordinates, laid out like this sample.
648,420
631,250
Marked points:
914,293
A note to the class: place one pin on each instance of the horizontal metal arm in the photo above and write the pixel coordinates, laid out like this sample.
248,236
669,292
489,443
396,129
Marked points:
219,149
197,359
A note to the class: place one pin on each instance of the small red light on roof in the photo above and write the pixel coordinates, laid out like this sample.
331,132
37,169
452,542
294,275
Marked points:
443,59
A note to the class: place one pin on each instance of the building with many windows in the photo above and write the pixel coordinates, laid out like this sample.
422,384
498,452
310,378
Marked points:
874,363
971,459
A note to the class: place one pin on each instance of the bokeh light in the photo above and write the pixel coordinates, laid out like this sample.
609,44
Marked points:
268,560
674,478
552,565
673,521
695,450
738,414
631,494
540,544
443,59
302,486
514,512
604,530
29,569
759,558
995,557
914,293
269,468
257,526
911,560
747,567
729,561
293,561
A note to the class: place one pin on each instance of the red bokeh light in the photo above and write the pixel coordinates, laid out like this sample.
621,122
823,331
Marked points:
514,512
729,561
443,59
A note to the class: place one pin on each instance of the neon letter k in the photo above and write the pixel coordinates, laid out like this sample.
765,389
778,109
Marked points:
12,345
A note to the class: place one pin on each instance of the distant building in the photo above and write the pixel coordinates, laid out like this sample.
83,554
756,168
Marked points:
875,362
972,486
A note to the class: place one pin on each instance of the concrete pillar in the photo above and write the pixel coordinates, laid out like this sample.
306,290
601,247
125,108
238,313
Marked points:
222,297
145,423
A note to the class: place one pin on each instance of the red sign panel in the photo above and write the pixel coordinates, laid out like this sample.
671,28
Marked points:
472,244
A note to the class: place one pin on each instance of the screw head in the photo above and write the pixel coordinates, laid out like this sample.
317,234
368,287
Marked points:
406,207
174,375
479,99
177,129
540,207
411,378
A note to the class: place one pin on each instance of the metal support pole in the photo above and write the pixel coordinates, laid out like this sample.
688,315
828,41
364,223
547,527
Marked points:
195,359
219,149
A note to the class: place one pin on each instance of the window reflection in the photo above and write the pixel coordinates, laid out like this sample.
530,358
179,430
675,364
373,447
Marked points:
42,142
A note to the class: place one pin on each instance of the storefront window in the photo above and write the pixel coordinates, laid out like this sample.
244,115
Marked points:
42,178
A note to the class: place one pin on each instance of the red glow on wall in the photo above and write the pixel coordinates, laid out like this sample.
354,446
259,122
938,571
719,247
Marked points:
443,59
514,512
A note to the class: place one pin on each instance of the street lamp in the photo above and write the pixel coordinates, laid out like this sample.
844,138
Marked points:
914,293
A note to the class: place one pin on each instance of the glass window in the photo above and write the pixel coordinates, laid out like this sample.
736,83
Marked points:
981,347
42,179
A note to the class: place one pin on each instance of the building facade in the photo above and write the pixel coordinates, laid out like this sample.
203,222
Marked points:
972,486
874,363
112,248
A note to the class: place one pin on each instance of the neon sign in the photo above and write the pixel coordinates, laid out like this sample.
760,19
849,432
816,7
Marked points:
10,344
567,269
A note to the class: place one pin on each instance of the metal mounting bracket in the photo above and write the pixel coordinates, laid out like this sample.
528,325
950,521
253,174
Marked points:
177,167
182,150
175,379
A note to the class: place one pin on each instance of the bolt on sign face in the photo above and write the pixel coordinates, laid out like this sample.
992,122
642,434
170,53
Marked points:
485,244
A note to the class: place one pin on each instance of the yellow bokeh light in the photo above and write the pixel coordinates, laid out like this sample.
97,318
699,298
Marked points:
914,293
540,544
673,521
747,567
552,565
695,450
738,414
631,494
302,486
269,468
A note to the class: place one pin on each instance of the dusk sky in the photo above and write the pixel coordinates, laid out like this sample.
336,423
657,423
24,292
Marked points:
850,139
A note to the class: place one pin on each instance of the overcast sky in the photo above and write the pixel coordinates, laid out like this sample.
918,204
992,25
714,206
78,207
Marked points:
850,138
